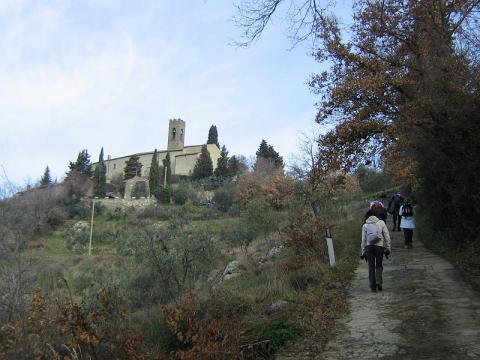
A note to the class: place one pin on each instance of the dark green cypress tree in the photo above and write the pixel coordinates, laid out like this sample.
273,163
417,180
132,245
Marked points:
167,166
100,177
204,166
268,153
154,175
46,178
222,164
82,165
133,167
213,136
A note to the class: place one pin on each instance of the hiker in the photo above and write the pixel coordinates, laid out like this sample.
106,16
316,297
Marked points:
375,242
393,208
407,214
379,210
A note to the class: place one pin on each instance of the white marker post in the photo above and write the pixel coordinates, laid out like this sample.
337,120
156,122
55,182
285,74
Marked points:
331,252
165,177
91,229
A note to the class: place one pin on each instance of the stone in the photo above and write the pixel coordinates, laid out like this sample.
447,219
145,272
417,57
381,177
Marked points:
231,270
276,307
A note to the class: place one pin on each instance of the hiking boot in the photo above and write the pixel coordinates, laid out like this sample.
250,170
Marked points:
379,287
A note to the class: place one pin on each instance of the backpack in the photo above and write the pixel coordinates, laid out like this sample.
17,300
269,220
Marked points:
407,210
397,200
374,233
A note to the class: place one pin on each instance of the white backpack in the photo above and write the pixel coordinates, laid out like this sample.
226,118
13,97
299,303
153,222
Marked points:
374,233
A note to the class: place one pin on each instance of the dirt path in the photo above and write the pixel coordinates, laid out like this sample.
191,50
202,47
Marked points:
426,311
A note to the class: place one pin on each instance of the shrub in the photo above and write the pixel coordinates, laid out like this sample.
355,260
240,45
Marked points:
140,190
184,192
163,195
224,197
278,333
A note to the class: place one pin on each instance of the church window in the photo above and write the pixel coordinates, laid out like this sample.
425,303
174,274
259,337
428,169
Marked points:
114,166
174,132
181,134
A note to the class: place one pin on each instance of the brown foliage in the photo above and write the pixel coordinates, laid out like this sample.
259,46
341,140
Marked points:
67,330
277,189
202,333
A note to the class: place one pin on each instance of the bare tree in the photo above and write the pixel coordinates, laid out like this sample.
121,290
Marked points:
303,16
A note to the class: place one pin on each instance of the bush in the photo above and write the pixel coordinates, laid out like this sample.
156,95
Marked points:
224,197
140,190
184,192
163,195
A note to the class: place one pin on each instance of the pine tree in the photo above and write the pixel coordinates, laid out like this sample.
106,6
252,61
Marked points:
213,136
100,177
167,166
154,176
82,165
233,166
222,164
133,167
204,166
46,178
267,152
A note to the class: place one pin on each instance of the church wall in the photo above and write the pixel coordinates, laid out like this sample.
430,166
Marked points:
182,161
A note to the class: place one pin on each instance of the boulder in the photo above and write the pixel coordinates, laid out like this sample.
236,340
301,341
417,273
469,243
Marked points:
231,270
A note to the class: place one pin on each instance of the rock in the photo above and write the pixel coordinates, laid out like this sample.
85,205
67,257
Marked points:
274,251
276,307
80,226
231,270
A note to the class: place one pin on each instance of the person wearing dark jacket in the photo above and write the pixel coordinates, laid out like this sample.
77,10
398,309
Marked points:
393,208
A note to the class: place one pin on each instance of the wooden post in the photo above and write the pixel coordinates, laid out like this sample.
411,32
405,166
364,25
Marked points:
165,177
91,229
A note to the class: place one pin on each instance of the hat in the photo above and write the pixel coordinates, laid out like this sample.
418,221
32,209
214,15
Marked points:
377,206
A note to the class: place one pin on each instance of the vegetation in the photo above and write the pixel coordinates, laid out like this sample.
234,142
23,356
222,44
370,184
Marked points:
222,170
46,177
268,160
82,165
213,136
100,177
204,167
167,166
154,175
402,86
133,167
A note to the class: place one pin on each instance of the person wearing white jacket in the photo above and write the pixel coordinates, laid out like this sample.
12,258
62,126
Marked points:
375,241
407,212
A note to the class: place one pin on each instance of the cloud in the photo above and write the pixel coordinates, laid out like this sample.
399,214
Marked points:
90,74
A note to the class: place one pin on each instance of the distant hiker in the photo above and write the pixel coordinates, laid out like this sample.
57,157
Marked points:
375,241
379,210
407,214
393,208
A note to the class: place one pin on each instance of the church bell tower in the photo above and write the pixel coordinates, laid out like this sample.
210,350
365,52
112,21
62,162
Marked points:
176,134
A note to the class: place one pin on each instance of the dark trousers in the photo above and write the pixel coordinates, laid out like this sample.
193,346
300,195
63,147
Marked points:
375,268
408,235
396,220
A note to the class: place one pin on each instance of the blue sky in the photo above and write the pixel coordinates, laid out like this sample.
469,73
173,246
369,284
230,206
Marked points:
93,73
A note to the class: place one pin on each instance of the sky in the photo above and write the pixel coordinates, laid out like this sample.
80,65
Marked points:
110,73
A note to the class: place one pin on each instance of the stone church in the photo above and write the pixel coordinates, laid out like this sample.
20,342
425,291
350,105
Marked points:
182,158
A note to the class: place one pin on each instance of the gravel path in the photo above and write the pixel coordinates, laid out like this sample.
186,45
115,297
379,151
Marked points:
426,311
